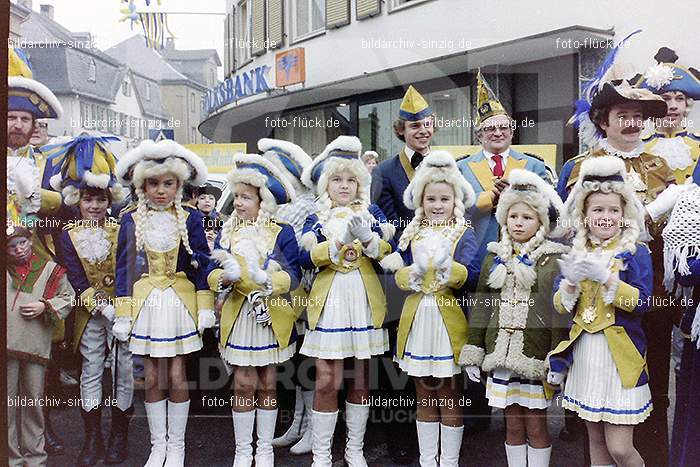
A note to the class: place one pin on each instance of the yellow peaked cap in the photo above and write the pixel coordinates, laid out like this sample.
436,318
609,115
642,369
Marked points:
414,106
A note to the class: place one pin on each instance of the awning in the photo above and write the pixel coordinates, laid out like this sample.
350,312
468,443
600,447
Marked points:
218,126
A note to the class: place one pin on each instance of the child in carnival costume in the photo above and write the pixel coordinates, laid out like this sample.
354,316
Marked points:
345,239
87,248
606,282
291,160
38,296
163,302
681,278
438,264
257,268
515,325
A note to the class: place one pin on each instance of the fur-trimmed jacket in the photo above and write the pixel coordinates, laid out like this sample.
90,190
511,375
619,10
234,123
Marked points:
516,326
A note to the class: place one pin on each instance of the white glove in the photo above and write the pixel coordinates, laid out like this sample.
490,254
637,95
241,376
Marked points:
568,266
421,258
665,201
122,328
348,236
443,257
25,181
232,270
595,268
554,378
360,229
206,319
256,274
473,373
108,312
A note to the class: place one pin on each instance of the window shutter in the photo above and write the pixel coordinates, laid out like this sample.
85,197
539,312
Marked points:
257,32
275,23
367,8
337,13
227,45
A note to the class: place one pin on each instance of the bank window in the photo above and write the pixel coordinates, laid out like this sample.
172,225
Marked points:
313,129
452,121
309,17
243,27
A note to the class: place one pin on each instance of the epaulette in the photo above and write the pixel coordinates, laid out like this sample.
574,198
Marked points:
539,158
464,156
127,209
694,135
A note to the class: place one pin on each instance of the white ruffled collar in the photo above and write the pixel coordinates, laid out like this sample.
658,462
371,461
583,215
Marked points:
611,151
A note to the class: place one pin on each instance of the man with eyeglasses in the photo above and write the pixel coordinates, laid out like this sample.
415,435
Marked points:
487,170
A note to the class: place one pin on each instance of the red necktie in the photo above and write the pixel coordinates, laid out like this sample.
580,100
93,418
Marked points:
498,167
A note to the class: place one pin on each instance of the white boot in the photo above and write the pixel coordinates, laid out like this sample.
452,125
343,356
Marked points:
157,423
516,455
428,438
295,431
177,425
323,427
538,457
356,416
304,444
243,433
450,443
264,455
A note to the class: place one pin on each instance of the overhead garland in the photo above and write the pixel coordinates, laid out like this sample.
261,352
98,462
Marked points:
154,25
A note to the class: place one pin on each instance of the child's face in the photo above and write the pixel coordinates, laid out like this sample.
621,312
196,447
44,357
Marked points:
93,207
206,202
342,187
19,250
246,201
161,190
604,214
438,201
522,222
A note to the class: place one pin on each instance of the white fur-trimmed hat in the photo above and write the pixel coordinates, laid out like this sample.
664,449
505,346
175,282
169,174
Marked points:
151,159
341,153
257,171
527,187
438,166
289,158
606,174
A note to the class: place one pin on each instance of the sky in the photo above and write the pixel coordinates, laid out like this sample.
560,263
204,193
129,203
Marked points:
101,19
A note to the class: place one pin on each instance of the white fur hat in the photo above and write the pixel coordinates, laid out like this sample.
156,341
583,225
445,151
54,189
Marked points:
290,159
606,174
438,166
150,159
341,153
527,187
257,171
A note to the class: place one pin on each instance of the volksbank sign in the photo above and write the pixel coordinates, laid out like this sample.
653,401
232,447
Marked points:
236,87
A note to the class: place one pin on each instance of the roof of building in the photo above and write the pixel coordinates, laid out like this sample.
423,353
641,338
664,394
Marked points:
196,54
145,61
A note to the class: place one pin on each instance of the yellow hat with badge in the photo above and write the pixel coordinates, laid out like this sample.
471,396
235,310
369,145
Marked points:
414,107
487,104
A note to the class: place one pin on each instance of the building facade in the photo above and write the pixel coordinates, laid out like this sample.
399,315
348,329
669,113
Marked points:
359,56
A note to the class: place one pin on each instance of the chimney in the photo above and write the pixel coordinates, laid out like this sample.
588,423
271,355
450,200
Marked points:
47,10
